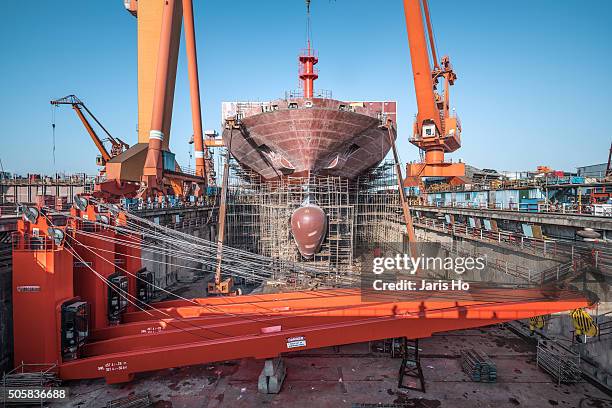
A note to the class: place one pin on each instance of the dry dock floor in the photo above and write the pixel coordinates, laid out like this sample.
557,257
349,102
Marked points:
352,376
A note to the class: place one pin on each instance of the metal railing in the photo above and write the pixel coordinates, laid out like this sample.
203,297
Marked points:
140,205
8,209
32,243
574,257
599,210
563,365
317,93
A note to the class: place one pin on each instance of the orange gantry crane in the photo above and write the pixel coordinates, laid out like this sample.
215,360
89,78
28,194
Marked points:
148,168
436,130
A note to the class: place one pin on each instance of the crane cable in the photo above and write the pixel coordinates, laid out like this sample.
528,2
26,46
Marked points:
308,28
53,109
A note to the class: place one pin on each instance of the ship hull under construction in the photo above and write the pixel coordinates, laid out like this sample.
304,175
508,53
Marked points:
304,136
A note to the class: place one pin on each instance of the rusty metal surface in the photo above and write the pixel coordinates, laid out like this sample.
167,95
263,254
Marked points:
330,137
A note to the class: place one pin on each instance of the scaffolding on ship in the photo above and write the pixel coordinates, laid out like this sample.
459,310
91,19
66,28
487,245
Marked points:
360,213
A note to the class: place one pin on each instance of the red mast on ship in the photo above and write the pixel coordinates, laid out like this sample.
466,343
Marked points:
307,72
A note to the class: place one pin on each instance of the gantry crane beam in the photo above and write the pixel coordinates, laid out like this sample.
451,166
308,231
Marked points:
260,326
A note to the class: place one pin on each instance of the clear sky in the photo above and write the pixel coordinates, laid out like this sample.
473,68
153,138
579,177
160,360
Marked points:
527,91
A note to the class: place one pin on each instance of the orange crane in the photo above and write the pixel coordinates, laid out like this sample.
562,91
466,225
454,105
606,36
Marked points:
149,168
118,146
436,129
159,28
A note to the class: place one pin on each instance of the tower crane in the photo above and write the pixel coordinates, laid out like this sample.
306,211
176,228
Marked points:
436,130
118,146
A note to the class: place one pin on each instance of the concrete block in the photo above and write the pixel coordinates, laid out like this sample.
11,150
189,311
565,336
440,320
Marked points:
275,382
273,374
262,383
272,365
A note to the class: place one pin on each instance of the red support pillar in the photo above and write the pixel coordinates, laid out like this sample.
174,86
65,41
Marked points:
194,89
153,170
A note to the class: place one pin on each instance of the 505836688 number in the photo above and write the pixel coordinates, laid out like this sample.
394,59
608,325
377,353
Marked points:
15,394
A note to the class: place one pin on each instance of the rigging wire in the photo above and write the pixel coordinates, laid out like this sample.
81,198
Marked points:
504,298
198,259
53,110
199,305
123,294
308,26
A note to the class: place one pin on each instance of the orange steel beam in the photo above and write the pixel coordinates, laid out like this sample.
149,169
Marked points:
259,326
149,26
432,43
421,70
194,89
152,172
105,155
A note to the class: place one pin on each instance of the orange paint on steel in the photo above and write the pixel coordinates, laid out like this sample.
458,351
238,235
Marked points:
152,173
217,329
39,289
434,155
432,44
236,327
435,131
149,22
421,70
105,155
194,89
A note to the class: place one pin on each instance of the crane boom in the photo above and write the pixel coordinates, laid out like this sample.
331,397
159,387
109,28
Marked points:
117,144
421,69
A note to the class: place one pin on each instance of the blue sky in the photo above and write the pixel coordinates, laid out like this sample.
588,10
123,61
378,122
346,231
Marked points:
526,90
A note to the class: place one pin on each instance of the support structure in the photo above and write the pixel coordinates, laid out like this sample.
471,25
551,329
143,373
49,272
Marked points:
153,167
200,150
219,287
411,366
400,188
